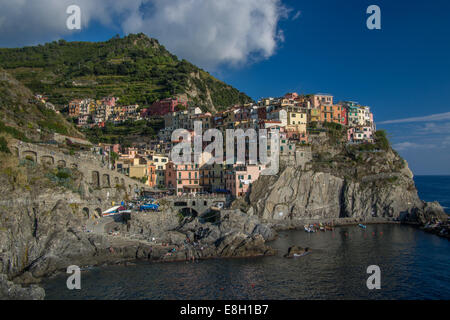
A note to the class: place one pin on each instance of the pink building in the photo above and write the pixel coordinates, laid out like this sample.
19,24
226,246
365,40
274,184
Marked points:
183,178
110,101
291,96
320,99
239,179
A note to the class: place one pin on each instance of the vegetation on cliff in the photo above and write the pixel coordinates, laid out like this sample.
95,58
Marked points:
23,117
125,133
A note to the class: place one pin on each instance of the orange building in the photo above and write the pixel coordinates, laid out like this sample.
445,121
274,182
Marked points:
326,113
74,108
152,175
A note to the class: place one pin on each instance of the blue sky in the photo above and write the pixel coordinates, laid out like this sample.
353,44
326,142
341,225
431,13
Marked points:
270,47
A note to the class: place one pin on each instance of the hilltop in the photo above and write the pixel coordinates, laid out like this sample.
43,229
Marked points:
136,68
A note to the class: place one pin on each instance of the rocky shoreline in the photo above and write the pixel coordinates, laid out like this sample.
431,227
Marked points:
113,250
43,229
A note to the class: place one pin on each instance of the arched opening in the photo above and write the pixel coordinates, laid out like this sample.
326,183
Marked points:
98,213
122,182
85,212
61,163
116,181
48,160
29,155
188,212
95,179
105,181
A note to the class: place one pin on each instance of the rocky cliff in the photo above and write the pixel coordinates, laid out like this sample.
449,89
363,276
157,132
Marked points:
44,228
342,182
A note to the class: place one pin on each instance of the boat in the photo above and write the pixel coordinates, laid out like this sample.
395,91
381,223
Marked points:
297,255
149,207
362,226
309,229
114,211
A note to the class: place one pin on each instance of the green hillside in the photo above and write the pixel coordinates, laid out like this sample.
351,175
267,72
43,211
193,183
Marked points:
24,118
137,69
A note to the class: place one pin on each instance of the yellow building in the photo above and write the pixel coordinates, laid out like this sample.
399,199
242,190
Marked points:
314,115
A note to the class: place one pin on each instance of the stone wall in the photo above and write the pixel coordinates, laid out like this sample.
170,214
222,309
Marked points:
96,175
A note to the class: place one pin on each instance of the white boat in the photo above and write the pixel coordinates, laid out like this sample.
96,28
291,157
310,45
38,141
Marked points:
115,210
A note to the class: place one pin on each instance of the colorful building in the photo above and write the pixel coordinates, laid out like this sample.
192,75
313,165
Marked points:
183,178
238,178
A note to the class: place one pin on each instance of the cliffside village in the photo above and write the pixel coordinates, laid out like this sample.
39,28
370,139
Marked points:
296,116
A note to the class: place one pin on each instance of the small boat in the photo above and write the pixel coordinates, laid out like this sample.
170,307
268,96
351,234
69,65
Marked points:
115,210
296,255
149,207
362,226
328,228
309,229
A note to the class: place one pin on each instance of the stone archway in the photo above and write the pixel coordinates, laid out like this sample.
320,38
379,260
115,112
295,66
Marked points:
85,212
95,179
188,212
105,181
98,213
48,160
30,155
61,163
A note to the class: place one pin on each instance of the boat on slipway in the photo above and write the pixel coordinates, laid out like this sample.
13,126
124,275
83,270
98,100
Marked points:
115,211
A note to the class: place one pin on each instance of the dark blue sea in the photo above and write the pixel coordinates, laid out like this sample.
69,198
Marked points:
413,265
434,188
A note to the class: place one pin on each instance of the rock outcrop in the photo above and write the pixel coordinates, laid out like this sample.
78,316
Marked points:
43,229
296,251
376,185
10,290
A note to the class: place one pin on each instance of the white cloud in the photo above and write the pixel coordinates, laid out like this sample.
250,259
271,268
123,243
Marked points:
297,15
411,145
433,117
206,32
211,32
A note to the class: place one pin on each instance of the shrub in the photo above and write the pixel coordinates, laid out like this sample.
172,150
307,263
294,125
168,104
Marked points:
381,140
4,145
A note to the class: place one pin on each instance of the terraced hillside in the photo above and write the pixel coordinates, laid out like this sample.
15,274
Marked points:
135,68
